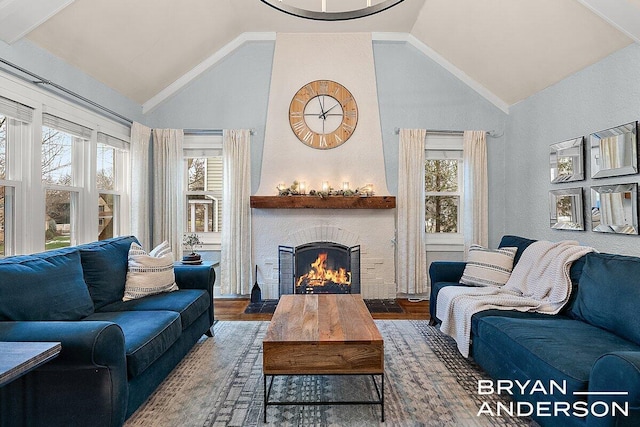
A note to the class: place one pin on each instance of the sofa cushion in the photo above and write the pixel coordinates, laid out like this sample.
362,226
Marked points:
46,286
149,274
609,294
190,303
147,335
515,241
105,268
486,267
548,347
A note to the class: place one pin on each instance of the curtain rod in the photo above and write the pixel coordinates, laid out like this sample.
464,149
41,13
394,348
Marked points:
490,133
215,132
42,81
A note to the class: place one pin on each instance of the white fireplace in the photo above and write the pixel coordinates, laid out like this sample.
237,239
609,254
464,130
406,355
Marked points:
359,161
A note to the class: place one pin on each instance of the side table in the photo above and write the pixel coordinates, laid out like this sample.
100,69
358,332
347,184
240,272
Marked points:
18,358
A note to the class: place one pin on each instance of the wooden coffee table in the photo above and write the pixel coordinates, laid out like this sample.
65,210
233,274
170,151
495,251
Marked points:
323,334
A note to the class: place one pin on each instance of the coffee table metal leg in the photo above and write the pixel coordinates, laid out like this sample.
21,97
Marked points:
267,393
380,393
382,376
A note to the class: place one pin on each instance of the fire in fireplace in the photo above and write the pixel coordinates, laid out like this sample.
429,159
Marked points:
319,267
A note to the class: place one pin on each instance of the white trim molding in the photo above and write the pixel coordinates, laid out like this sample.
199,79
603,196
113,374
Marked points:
440,60
196,71
624,15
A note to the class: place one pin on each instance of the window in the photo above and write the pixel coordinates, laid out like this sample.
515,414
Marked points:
3,189
110,184
203,186
63,147
15,120
54,167
443,186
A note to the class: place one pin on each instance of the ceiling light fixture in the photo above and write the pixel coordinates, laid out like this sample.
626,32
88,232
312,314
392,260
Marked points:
331,10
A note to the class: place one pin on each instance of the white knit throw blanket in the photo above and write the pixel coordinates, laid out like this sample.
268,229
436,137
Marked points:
540,282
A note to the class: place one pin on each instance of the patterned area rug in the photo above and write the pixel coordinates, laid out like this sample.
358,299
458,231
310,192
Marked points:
219,383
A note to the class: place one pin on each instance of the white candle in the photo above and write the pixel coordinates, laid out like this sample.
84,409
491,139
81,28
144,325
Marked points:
302,187
345,185
325,185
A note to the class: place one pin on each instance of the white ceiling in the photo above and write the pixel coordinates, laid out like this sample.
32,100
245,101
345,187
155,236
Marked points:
144,49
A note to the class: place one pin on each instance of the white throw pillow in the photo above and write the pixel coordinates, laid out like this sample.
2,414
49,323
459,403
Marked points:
486,267
149,274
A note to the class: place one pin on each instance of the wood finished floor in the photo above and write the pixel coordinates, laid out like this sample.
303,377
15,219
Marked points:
233,309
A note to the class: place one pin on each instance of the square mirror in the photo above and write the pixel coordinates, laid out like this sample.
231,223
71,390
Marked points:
565,209
614,151
566,160
614,208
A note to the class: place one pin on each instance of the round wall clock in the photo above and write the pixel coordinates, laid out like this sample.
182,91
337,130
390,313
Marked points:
323,114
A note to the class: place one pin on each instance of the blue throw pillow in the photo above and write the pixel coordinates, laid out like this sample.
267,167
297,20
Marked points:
105,268
515,241
609,294
46,286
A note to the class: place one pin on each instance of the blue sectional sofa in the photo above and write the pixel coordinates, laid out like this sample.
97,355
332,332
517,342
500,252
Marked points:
592,345
114,353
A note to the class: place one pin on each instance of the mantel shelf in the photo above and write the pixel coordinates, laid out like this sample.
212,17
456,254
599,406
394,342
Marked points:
317,202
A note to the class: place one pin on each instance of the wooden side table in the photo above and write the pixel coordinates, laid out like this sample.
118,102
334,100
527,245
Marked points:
18,358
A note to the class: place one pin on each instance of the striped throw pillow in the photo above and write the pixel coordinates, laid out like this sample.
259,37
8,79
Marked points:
149,274
486,267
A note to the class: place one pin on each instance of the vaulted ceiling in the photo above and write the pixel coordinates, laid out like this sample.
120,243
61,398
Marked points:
510,49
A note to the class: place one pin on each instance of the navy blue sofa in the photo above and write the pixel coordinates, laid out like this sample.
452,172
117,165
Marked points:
114,353
592,345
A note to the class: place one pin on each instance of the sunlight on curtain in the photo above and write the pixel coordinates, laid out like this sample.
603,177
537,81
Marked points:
235,257
476,195
140,208
611,158
411,258
612,209
168,215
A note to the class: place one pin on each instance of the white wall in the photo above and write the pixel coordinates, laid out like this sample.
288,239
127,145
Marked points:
601,96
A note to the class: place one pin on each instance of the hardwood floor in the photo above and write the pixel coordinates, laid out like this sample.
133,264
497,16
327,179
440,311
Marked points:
233,309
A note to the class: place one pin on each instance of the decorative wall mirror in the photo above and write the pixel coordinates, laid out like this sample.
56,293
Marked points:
565,209
566,161
614,208
614,151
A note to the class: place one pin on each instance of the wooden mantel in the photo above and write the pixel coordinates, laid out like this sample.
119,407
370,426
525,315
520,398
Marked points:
317,202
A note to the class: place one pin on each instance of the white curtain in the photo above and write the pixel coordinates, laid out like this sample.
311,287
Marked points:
168,215
476,195
411,255
235,259
140,184
612,209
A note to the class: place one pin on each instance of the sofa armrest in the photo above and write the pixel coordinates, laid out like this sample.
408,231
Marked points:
90,374
196,277
83,343
442,272
446,271
616,372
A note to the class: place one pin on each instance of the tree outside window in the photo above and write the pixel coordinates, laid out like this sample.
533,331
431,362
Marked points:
442,189
57,173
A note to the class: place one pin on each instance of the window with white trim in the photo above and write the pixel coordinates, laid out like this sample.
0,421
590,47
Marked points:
15,126
110,183
444,187
63,170
203,186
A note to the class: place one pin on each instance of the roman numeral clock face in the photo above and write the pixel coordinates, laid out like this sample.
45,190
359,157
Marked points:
323,114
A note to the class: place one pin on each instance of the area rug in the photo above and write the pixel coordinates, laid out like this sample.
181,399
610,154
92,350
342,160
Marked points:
219,383
374,306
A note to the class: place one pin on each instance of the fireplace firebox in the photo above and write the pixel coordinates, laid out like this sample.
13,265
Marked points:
319,268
